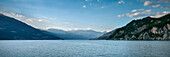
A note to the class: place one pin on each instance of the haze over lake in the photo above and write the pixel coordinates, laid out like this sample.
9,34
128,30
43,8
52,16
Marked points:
83,48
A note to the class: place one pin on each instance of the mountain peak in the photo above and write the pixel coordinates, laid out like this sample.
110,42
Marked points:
148,17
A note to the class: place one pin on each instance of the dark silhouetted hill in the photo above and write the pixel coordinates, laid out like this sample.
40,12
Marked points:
12,29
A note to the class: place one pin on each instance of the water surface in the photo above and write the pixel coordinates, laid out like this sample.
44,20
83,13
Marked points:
83,48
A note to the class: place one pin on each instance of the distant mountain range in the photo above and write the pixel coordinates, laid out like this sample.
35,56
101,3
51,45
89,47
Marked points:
144,29
104,36
76,34
12,29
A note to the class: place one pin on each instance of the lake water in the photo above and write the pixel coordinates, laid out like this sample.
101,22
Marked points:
83,48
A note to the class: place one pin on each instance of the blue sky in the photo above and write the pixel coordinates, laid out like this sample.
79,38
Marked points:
99,15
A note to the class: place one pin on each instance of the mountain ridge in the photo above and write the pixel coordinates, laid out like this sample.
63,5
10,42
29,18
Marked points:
144,29
12,29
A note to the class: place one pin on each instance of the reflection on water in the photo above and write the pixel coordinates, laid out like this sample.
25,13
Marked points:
83,48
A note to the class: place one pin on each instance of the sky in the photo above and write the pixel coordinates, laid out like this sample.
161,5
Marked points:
98,15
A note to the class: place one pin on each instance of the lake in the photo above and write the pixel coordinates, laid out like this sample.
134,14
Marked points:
83,48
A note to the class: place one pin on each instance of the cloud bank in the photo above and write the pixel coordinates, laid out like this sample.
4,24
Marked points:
137,13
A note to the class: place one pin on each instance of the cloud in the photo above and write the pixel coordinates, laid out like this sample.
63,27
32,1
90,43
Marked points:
40,20
109,30
34,20
47,28
98,4
13,15
160,14
158,5
137,14
144,13
30,20
146,3
84,6
21,17
163,4
148,10
136,10
43,17
161,1
121,2
86,0
89,28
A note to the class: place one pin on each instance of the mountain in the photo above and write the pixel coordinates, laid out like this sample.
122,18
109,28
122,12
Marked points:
144,29
12,29
104,36
75,34
65,35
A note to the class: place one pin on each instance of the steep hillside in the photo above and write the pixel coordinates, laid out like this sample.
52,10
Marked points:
144,29
12,29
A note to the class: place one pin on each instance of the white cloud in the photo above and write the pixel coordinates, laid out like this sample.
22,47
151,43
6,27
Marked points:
17,15
136,10
121,2
109,30
51,28
34,20
89,28
30,20
40,20
43,17
158,5
86,0
148,10
160,1
14,15
163,4
144,14
84,6
146,3
160,14
136,13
